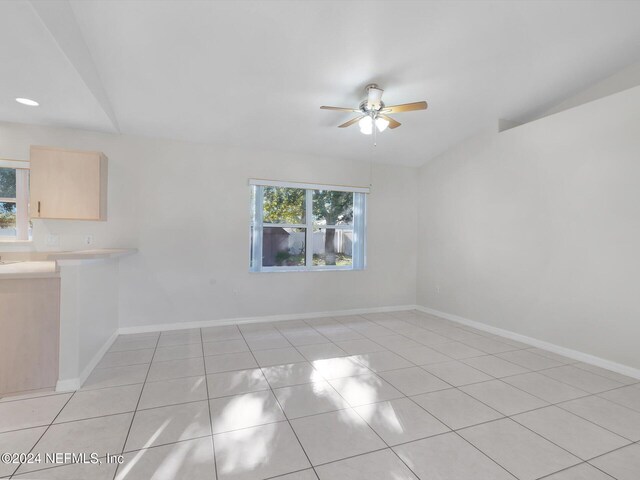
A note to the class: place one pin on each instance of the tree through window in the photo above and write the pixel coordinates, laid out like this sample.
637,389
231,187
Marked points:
297,228
14,201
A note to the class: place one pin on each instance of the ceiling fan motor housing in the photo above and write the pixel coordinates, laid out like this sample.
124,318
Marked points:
373,110
364,107
374,97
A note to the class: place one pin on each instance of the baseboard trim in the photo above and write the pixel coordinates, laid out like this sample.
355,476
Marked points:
162,327
71,384
534,342
68,385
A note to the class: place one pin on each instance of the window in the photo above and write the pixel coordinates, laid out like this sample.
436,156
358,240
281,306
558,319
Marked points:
298,227
14,200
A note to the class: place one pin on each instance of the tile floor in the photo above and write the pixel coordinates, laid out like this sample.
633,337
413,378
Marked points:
400,395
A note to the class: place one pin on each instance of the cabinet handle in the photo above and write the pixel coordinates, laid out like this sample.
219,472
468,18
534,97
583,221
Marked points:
38,207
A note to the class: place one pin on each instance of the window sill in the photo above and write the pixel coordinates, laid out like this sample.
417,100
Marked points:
305,269
13,241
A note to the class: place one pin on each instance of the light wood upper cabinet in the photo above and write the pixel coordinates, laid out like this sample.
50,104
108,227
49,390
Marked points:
68,184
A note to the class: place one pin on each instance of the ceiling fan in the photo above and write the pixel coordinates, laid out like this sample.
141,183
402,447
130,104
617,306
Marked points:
373,111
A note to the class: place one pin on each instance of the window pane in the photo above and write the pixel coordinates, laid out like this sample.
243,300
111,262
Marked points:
7,183
283,247
7,219
332,208
284,205
333,247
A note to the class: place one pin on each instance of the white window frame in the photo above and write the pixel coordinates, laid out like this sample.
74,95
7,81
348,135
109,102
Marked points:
21,199
359,226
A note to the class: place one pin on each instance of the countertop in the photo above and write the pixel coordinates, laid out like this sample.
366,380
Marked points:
47,269
101,253
50,268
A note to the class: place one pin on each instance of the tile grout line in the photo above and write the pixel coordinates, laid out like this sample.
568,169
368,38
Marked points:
607,453
280,406
587,394
366,423
332,342
506,416
509,417
493,379
534,432
613,401
206,384
52,393
559,405
414,440
377,434
133,417
184,440
43,433
274,325
276,477
455,431
347,355
549,404
410,397
554,404
349,407
450,387
524,426
329,341
574,466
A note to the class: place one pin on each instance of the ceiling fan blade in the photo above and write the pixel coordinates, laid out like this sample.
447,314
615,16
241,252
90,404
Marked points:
392,123
341,109
351,122
405,107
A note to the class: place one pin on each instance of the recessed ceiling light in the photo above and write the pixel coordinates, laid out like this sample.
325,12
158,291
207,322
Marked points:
27,101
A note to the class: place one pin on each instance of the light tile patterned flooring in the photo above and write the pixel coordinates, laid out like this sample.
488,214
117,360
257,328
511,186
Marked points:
399,395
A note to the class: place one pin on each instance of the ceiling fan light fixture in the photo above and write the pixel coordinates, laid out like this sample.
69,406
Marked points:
374,114
366,125
381,124
374,96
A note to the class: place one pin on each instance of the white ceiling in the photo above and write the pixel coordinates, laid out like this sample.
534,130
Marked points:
254,73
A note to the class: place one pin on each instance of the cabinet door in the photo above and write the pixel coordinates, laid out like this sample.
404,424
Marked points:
68,184
30,326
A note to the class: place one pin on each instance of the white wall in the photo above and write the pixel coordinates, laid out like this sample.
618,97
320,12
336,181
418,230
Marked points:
160,187
624,79
88,317
536,230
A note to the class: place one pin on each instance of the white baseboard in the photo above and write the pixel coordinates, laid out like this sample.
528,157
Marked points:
161,327
75,383
68,385
71,384
534,342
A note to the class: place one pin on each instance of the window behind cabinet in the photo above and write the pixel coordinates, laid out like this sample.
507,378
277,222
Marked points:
14,200
307,227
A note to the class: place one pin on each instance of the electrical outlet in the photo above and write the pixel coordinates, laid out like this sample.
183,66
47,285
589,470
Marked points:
438,289
52,240
88,239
